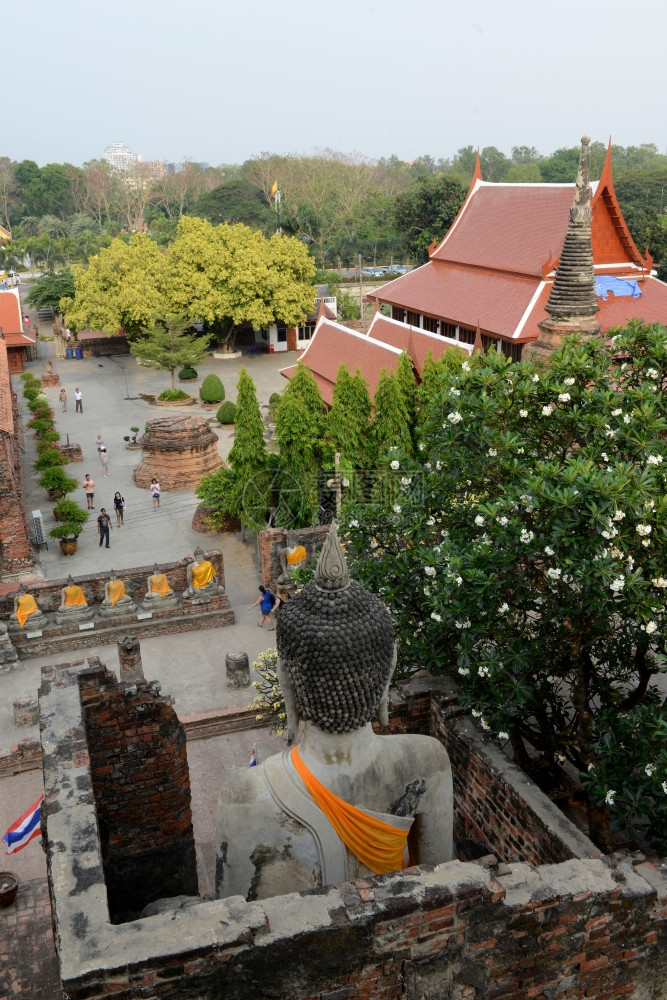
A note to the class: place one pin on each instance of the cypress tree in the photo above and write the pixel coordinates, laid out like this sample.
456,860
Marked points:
390,427
405,376
349,419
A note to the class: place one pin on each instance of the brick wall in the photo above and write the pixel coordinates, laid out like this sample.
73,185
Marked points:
581,928
14,544
141,785
47,593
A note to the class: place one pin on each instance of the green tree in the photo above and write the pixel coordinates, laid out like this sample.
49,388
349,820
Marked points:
390,428
50,290
425,212
124,287
229,275
300,424
248,456
166,346
405,375
236,200
527,558
348,422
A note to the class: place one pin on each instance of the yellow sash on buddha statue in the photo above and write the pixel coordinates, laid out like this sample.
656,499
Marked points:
296,556
116,591
202,574
377,845
160,585
26,606
74,597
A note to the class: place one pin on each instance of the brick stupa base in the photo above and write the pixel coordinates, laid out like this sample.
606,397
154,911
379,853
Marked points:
177,451
552,334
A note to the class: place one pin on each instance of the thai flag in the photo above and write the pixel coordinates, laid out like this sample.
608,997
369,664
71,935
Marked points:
24,829
253,758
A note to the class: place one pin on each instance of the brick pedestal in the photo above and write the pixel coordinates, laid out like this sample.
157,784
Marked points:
26,711
237,668
129,660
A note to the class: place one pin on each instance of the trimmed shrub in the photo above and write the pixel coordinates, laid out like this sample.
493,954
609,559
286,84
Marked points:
41,426
69,512
172,395
48,458
227,413
274,398
212,390
187,373
68,530
56,478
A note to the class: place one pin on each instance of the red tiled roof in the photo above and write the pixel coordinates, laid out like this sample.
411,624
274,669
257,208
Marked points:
333,345
463,295
416,343
6,416
10,312
651,307
20,339
509,227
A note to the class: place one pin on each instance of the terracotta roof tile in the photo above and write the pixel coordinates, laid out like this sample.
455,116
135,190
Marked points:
6,415
333,345
463,295
417,343
10,312
510,227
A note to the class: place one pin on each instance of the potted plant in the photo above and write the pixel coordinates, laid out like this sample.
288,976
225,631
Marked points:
49,457
69,512
68,536
9,884
56,482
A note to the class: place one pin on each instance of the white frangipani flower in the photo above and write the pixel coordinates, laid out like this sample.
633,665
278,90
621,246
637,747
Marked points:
644,530
479,520
649,770
569,381
492,452
651,628
436,617
547,411
652,372
429,570
503,735
454,417
554,573
503,608
548,550
463,671
526,536
617,412
465,366
618,584
431,521
523,413
654,459
395,464
564,397
503,520
660,582
610,796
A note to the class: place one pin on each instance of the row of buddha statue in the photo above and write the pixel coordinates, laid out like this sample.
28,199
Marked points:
74,608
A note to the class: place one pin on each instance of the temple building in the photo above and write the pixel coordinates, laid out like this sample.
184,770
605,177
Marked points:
333,345
498,264
20,343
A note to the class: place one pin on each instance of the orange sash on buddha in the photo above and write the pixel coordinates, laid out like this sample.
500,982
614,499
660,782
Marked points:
377,845
74,597
160,585
26,606
116,591
202,574
296,556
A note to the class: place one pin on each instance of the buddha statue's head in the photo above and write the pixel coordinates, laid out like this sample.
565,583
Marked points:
336,646
199,554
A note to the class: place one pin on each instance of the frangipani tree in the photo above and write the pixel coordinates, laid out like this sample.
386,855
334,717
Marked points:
528,557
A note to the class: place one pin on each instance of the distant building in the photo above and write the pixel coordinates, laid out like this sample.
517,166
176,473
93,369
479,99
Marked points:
120,156
19,342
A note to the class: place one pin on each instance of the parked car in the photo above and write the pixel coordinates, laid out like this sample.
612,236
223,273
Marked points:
374,272
398,269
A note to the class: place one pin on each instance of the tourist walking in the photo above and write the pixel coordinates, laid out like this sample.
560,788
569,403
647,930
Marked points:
63,400
104,526
155,493
119,506
266,600
99,443
104,459
89,487
78,396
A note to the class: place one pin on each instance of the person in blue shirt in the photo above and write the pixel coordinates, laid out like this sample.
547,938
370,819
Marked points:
266,602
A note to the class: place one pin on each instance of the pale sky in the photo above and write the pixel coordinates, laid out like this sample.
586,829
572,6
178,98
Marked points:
220,81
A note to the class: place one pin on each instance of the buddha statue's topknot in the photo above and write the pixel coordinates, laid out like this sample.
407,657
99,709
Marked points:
336,641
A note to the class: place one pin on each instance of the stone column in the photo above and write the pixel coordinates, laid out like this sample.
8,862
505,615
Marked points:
129,660
237,669
26,711
8,655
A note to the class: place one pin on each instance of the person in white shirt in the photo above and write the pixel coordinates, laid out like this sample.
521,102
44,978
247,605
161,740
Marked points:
78,395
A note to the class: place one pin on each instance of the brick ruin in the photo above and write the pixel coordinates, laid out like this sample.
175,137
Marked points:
177,451
15,552
541,915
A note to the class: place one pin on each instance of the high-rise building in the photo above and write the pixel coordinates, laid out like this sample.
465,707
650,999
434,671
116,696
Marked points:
120,156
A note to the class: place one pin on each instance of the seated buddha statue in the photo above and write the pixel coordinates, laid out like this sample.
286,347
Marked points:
116,600
202,579
26,615
291,555
73,604
346,802
158,592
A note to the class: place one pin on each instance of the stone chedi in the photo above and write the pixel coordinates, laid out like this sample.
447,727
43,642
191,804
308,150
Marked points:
346,802
177,451
26,615
73,605
572,303
159,594
202,580
116,600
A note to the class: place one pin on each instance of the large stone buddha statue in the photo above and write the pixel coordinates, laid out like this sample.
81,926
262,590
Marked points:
201,576
344,803
26,615
159,594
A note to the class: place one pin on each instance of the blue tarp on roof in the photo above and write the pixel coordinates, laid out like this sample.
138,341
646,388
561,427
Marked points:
606,283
